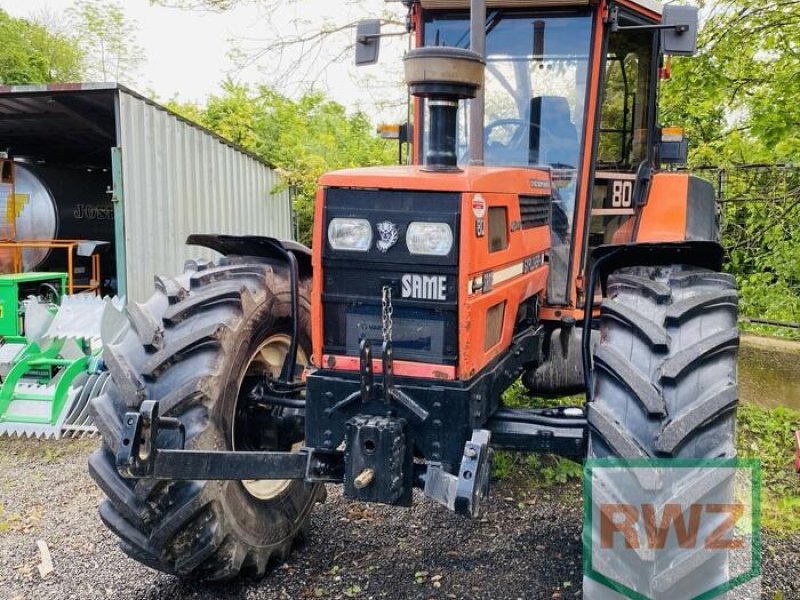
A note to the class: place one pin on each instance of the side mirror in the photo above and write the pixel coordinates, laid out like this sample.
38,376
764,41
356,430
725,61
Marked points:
673,146
368,42
681,39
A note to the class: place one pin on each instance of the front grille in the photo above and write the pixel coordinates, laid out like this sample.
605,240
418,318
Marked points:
535,211
418,334
425,329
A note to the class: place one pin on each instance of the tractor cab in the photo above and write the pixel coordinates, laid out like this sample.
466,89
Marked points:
535,142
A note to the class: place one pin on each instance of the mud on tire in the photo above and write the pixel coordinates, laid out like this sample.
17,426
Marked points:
188,347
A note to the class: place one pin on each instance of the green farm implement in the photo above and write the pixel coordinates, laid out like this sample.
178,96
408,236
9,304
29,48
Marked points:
50,357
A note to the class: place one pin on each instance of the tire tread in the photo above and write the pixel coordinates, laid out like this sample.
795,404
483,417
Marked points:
172,352
691,380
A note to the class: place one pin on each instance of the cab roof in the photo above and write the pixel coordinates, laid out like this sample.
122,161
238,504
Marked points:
647,5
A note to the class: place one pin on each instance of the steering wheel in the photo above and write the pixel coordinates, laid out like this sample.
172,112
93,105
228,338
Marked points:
515,137
517,143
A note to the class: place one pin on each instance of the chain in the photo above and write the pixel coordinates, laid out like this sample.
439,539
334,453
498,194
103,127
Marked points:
388,310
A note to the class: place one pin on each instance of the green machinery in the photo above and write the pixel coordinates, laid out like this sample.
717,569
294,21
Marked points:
50,356
15,290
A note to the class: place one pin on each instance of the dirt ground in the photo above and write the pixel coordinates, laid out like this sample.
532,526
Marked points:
526,547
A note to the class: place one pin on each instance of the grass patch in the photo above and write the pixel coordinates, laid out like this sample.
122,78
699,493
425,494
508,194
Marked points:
8,522
786,333
45,450
767,434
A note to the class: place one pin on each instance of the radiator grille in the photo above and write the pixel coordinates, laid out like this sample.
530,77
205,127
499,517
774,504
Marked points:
535,211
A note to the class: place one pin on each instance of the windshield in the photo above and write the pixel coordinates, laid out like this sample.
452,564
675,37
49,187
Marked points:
536,87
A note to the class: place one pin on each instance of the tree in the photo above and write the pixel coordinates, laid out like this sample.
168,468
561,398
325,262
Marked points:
108,39
32,54
303,138
739,97
299,42
740,102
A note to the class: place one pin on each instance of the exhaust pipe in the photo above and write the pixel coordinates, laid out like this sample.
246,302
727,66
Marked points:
443,76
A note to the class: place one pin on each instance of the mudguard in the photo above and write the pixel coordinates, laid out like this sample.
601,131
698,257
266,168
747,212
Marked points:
607,259
701,253
255,245
295,256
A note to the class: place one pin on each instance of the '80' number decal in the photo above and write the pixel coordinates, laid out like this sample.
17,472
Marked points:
620,193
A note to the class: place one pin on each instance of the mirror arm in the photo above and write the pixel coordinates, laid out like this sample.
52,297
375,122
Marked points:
678,28
364,39
613,19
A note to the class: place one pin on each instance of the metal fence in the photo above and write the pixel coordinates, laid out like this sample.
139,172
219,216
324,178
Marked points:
760,217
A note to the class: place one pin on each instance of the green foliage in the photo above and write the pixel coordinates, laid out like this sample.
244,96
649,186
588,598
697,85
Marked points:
541,470
517,396
769,331
763,433
107,38
31,54
740,103
768,435
303,138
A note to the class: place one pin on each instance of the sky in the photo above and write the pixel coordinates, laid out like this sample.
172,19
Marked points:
188,52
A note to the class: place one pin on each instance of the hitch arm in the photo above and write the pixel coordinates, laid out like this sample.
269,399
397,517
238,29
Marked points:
197,465
152,448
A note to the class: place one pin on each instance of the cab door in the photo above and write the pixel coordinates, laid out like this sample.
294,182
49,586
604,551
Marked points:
626,132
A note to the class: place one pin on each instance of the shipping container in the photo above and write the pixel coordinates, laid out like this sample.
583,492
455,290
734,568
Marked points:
101,162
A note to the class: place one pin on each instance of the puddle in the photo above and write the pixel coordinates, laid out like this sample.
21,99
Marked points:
769,371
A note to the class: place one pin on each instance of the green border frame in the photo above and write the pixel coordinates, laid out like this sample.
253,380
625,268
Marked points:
679,463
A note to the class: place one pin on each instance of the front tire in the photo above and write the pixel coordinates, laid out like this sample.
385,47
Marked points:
190,347
665,387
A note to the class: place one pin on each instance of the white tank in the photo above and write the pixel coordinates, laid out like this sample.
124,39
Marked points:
36,215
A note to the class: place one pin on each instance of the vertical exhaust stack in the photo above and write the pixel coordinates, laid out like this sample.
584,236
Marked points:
443,76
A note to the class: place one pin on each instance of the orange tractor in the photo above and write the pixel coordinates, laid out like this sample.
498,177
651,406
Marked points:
537,236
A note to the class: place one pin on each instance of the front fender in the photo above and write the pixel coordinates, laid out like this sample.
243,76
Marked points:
607,259
679,207
255,245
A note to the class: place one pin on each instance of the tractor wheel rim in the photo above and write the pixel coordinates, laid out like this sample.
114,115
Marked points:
269,357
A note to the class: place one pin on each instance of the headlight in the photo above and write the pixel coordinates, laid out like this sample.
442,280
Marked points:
434,239
350,234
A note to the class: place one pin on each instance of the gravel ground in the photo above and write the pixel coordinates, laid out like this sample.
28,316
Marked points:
525,548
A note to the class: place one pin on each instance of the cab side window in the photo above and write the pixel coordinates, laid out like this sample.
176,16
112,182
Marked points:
624,120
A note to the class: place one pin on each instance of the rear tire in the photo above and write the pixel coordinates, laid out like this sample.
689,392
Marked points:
189,347
665,382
